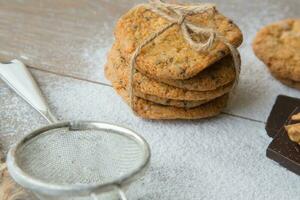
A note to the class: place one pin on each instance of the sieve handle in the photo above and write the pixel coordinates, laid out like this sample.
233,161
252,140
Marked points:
121,194
16,75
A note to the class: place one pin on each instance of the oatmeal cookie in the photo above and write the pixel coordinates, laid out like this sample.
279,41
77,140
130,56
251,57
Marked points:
147,86
169,56
219,74
278,46
149,110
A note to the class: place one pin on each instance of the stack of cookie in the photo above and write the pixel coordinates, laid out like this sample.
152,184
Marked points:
278,46
172,80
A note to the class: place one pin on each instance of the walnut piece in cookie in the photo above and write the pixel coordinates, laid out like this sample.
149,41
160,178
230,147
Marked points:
278,46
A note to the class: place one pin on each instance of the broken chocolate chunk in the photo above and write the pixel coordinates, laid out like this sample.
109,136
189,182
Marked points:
283,150
282,108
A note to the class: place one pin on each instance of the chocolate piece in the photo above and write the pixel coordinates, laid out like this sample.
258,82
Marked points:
282,108
284,151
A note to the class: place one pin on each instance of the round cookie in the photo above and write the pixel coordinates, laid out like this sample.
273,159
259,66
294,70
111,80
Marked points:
169,56
148,86
170,102
288,82
215,76
109,69
150,110
278,46
151,87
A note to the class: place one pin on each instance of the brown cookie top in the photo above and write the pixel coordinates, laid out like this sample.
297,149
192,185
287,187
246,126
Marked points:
169,56
150,110
148,86
278,46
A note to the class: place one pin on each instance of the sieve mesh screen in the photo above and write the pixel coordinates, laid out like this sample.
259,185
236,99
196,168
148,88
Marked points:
65,157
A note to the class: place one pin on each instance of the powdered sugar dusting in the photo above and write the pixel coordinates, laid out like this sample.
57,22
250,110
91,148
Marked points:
192,160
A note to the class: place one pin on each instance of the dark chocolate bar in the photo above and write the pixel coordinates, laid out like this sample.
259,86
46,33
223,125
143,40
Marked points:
284,151
282,108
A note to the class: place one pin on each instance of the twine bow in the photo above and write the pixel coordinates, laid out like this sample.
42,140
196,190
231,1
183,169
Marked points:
177,14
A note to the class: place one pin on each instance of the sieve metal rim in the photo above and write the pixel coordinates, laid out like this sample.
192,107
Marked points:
36,185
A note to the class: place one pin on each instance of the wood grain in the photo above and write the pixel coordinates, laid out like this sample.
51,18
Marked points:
62,36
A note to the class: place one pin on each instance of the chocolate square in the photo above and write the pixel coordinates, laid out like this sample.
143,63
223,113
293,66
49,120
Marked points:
284,151
282,108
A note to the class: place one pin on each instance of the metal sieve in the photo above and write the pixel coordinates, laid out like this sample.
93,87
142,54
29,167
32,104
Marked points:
77,160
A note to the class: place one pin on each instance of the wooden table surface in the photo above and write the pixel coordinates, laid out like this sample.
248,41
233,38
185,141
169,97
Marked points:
65,44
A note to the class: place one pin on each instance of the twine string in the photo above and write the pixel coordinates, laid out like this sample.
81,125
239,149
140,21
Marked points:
8,189
176,14
3,167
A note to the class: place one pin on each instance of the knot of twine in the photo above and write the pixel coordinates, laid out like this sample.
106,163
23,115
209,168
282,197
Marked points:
176,14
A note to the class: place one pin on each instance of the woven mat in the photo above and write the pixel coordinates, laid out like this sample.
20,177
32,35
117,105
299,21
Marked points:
8,188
